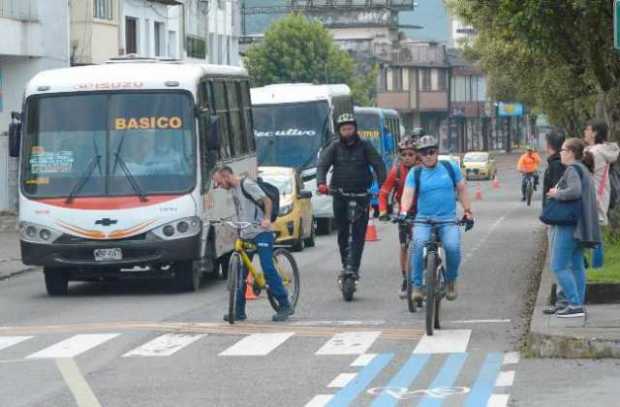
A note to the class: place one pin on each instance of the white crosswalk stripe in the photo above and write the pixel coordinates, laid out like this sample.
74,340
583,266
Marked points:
73,346
8,341
444,341
349,343
164,345
257,344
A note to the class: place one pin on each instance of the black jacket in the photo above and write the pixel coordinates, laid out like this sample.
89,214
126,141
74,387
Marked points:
553,173
351,165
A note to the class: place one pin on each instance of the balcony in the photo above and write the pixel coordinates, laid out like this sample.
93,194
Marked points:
433,101
394,100
21,10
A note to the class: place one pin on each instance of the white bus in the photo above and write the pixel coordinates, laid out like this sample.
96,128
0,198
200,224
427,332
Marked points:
292,123
115,169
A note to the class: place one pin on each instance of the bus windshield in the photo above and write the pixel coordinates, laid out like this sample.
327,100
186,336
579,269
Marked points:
291,135
106,141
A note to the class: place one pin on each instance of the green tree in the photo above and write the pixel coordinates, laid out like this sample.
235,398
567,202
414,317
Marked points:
297,49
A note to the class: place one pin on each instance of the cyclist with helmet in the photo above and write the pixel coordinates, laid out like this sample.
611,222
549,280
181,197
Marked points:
434,187
351,158
394,185
528,166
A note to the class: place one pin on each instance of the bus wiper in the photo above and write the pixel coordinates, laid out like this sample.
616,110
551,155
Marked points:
94,162
132,180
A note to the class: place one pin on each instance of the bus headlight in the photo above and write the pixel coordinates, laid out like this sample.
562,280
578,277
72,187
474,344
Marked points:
179,229
33,233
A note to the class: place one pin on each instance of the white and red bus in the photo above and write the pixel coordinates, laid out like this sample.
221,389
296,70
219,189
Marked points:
115,169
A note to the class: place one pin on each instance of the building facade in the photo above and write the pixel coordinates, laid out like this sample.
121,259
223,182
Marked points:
95,30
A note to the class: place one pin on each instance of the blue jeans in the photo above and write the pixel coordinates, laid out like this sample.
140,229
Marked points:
568,266
451,241
264,244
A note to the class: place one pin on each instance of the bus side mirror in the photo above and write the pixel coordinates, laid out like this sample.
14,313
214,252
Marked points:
15,129
213,134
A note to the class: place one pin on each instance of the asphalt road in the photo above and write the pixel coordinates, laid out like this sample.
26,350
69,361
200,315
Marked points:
137,344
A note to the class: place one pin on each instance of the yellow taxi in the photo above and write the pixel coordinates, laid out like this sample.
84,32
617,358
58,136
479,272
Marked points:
295,223
479,165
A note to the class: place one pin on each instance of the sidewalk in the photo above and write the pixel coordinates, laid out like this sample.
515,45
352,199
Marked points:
596,336
10,262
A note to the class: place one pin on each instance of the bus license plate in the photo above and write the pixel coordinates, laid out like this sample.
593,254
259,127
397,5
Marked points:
108,254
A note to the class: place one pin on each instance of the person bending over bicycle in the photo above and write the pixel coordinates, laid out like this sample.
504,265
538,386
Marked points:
435,186
394,184
351,158
528,166
246,194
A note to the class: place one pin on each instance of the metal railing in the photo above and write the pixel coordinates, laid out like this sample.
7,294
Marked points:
23,10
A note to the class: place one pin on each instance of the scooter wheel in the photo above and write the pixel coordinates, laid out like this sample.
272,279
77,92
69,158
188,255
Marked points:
348,288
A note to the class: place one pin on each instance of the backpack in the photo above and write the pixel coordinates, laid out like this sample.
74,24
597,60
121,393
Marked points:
417,175
614,185
272,193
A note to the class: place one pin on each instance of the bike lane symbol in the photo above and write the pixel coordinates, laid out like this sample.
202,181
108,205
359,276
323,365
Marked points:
403,393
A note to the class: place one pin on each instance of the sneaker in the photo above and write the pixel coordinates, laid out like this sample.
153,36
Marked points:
523,199
571,312
552,309
451,293
417,294
283,314
403,290
240,317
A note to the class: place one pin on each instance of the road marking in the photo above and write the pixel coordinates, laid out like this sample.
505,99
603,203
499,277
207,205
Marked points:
342,380
338,323
498,400
320,400
505,379
257,344
8,341
363,359
481,321
444,341
84,396
405,376
511,358
164,345
73,346
445,378
348,394
483,387
349,343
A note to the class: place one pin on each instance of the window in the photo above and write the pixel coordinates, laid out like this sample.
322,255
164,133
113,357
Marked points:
159,39
234,111
103,10
426,80
221,109
248,120
397,77
442,80
196,47
131,36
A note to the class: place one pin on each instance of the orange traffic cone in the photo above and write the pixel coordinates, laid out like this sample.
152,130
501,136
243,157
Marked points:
495,182
249,288
371,231
478,193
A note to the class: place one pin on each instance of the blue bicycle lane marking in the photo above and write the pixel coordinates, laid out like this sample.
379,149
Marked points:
403,379
352,390
485,383
445,378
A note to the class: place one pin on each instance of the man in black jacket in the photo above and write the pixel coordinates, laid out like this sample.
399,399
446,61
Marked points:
555,168
351,157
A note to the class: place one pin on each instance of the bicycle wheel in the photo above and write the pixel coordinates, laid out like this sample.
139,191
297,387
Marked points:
441,280
430,301
530,192
287,269
235,277
410,301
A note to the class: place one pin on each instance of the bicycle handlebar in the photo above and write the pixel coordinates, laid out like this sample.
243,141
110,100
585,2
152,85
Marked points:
339,191
409,221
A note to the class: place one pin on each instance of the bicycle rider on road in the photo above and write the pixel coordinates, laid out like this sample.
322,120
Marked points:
438,192
395,184
259,233
528,166
351,158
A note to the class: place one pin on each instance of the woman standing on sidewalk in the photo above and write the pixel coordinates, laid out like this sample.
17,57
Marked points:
570,240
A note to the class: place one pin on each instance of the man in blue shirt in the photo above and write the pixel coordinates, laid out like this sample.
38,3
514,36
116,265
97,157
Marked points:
436,188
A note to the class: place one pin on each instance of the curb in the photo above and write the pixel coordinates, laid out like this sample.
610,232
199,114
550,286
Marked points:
544,341
16,273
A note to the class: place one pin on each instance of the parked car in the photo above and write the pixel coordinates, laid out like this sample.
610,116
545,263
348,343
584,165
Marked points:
295,223
479,165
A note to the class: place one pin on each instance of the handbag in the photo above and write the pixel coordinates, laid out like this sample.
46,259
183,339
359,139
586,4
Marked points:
562,213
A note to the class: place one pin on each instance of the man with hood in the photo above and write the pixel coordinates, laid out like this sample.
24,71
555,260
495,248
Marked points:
351,158
605,154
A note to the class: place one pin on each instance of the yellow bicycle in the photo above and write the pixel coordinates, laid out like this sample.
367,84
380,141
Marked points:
240,266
